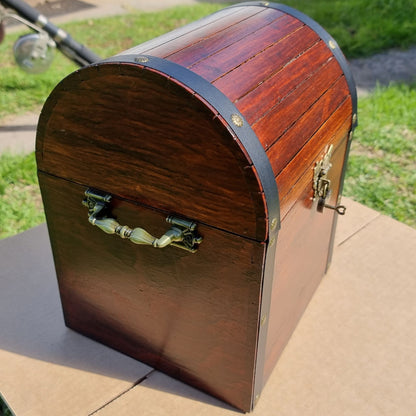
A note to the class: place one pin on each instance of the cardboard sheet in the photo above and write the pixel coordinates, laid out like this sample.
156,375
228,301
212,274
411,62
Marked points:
46,368
353,352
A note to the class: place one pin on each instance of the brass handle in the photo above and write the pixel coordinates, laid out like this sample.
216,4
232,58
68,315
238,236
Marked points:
182,234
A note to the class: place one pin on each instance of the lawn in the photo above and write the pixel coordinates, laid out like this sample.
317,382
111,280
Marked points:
381,171
361,27
20,202
20,92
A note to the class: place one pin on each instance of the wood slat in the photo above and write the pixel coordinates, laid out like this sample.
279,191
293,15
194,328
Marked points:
226,59
279,118
193,27
188,38
288,145
230,33
269,93
261,67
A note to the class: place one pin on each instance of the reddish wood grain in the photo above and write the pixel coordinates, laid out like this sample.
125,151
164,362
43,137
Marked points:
133,133
303,130
274,89
236,54
265,64
194,316
231,35
301,260
192,34
281,116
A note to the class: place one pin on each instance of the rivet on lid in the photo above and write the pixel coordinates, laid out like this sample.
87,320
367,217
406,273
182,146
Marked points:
237,120
141,59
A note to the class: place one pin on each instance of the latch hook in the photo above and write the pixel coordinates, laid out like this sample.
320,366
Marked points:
322,184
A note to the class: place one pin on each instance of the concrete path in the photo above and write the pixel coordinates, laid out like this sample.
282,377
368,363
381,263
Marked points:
384,68
17,134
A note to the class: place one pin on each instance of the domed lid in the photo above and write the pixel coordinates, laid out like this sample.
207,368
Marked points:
161,138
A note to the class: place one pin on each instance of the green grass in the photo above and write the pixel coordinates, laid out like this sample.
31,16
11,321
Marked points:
382,166
20,201
364,27
361,27
20,92
4,409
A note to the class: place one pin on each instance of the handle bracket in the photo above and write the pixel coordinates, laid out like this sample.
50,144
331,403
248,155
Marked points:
182,233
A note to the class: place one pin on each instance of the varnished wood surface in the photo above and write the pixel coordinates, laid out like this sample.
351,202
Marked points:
217,28
301,260
282,77
294,188
314,126
228,58
133,133
280,117
142,136
194,32
213,55
194,316
256,78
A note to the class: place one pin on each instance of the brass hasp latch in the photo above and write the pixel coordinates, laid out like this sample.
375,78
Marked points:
182,234
322,184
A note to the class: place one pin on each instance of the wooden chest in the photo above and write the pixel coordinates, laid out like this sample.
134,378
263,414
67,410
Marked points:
196,148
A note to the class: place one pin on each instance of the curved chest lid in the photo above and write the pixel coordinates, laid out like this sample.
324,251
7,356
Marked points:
151,131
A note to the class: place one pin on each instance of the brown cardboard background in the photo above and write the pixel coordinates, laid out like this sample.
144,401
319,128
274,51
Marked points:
45,368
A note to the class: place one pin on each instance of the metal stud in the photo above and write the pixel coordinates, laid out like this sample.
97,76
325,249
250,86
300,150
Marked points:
237,120
141,59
